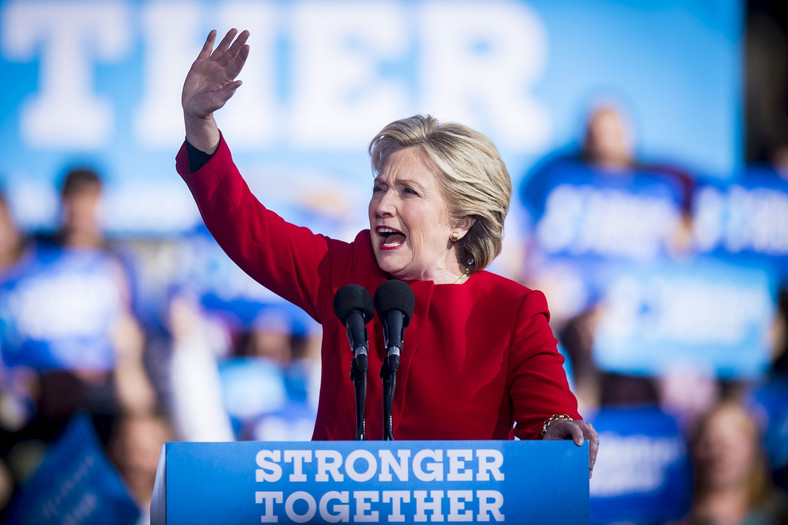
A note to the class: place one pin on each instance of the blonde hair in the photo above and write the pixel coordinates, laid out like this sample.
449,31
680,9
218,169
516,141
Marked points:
474,179
759,487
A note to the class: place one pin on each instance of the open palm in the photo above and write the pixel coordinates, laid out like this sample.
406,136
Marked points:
211,80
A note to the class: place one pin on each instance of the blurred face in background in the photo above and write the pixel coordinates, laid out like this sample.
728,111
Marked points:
81,220
608,140
10,236
727,448
134,448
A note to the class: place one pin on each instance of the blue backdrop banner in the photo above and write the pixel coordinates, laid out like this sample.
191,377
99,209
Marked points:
99,83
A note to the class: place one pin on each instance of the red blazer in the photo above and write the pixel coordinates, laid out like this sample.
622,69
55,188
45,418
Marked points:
477,358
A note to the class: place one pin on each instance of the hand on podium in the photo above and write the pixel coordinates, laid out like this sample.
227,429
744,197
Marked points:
577,431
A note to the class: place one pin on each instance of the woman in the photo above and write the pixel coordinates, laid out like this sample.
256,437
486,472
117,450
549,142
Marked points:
479,354
732,482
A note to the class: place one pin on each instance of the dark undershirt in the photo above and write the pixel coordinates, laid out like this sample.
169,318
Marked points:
197,158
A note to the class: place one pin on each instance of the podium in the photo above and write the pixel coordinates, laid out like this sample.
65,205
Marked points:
372,482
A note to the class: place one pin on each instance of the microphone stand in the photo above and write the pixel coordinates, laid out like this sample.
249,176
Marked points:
389,374
358,373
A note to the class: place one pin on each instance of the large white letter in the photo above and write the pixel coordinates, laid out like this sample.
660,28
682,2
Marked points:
457,504
172,37
490,462
364,512
350,465
457,469
297,458
66,112
396,498
268,499
422,505
340,97
328,461
290,503
387,463
252,113
490,503
434,470
341,509
480,60
268,461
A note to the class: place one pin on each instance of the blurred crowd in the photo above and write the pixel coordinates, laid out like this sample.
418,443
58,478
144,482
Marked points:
648,267
88,330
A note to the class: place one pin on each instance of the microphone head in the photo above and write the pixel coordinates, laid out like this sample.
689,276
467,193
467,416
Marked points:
353,297
395,295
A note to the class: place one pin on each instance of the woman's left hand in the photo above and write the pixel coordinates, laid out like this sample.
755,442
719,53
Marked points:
578,431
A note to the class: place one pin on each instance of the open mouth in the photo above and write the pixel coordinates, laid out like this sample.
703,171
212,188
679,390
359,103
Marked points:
390,238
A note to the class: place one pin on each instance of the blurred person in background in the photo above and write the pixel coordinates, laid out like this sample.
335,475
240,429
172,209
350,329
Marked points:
67,320
16,386
732,483
253,375
134,446
194,393
270,380
13,243
591,207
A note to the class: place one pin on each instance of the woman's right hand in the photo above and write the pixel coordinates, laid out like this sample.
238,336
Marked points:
209,85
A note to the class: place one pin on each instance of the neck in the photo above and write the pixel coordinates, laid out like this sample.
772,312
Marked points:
727,505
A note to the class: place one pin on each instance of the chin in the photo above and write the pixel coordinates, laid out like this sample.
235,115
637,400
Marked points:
387,267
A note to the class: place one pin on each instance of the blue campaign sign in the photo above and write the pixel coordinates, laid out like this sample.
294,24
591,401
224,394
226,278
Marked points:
769,402
75,483
373,482
58,308
747,218
702,315
99,83
589,213
642,472
224,290
583,219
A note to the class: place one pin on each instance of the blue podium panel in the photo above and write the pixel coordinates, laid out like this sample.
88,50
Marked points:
372,482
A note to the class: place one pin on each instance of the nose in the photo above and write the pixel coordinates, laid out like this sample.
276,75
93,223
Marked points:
382,204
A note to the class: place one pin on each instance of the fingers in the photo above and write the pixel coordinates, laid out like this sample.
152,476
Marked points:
593,446
205,52
576,433
238,44
565,430
224,94
224,44
238,63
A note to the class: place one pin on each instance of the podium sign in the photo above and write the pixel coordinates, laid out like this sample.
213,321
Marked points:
372,482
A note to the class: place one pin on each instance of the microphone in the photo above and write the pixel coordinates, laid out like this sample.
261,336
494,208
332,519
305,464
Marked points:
394,302
353,306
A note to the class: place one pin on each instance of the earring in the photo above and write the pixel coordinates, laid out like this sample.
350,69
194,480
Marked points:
455,236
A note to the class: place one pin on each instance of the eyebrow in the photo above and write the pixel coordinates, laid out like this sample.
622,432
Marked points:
413,182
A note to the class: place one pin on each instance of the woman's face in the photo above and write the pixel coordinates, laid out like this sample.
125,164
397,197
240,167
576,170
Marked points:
409,221
726,449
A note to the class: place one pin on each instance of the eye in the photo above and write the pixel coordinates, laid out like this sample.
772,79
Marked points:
377,188
410,191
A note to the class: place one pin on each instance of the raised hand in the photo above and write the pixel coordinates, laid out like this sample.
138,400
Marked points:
209,85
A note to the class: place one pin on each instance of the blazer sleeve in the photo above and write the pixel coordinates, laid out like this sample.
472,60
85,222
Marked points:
538,387
289,260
